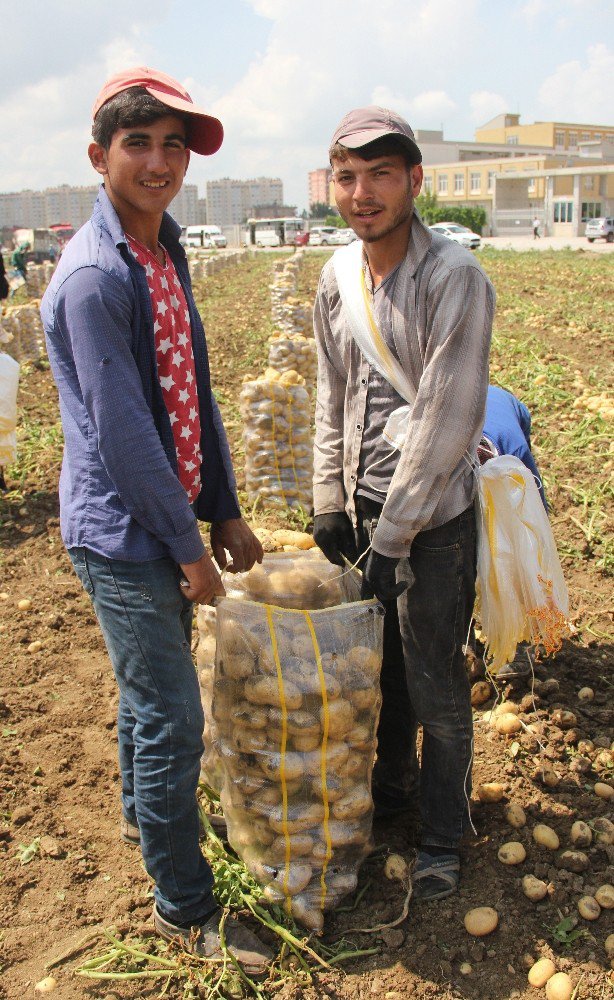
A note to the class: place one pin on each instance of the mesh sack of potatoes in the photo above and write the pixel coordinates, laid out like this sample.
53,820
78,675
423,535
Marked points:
294,352
276,413
28,340
296,702
210,767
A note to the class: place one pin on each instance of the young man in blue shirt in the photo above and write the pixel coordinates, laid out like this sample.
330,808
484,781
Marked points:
130,493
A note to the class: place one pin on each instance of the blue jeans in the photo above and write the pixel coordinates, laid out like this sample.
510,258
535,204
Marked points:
424,681
147,625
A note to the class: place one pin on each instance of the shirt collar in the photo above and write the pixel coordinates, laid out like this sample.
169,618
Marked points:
420,240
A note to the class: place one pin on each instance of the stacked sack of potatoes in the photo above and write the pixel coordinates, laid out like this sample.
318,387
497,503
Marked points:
39,276
203,267
295,703
276,414
26,339
294,352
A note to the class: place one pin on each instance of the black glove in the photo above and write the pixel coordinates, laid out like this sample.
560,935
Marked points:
334,534
379,578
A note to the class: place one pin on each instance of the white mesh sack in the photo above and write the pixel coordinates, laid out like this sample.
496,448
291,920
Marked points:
296,703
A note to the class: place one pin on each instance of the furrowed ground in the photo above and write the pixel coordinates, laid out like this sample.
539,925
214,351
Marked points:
64,874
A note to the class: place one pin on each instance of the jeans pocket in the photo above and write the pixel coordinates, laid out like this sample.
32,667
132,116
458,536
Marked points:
78,557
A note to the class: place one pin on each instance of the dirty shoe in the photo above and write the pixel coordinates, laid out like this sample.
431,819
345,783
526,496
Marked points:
247,949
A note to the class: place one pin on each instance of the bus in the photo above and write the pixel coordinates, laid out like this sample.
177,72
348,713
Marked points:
272,232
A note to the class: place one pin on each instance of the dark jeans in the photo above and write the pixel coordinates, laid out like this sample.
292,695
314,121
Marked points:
147,625
424,681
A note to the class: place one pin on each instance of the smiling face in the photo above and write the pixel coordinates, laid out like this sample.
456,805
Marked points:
143,169
376,197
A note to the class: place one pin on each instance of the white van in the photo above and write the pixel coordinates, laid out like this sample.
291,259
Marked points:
206,237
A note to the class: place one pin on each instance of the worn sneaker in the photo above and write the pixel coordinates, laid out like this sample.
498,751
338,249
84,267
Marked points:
519,668
252,955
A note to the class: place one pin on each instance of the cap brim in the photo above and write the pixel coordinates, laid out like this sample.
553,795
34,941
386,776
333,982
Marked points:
355,140
206,133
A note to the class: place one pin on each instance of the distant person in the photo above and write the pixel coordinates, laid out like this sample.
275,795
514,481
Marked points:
18,260
4,285
145,456
536,225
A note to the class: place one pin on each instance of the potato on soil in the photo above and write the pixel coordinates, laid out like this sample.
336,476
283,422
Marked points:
609,945
534,888
589,908
481,691
491,791
604,831
546,837
481,920
515,815
507,724
541,972
581,834
572,861
396,868
564,719
512,853
604,791
559,987
605,896
586,694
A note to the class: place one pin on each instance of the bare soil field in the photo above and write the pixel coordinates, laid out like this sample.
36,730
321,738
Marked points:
64,873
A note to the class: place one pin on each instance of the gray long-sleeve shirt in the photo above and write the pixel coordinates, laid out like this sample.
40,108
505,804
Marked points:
440,329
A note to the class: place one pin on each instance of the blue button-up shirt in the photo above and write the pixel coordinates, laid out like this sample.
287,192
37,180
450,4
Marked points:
119,491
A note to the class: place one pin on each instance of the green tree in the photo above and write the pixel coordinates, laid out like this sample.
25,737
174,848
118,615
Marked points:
319,210
335,220
471,216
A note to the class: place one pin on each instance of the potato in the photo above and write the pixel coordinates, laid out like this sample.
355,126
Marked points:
481,921
603,791
289,882
299,818
589,908
46,985
396,868
581,834
605,896
336,757
272,763
515,815
306,743
341,717
305,913
507,724
560,987
338,884
547,775
533,888
261,832
237,666
300,539
490,791
609,945
364,699
367,660
505,708
307,679
248,716
573,861
301,845
335,787
541,972
265,691
355,804
480,692
586,694
564,719
604,831
585,747
237,639
257,584
512,853
360,737
248,740
299,723
546,837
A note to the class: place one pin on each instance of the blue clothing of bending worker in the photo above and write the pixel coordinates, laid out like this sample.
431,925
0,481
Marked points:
507,428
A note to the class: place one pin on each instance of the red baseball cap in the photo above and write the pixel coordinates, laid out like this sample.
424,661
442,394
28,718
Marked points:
205,133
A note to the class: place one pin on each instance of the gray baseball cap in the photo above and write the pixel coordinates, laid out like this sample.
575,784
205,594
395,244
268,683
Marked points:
364,125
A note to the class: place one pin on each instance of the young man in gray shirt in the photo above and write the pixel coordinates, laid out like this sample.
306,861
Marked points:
411,507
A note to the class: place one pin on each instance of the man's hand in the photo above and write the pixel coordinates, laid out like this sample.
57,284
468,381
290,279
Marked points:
202,581
334,535
379,578
236,537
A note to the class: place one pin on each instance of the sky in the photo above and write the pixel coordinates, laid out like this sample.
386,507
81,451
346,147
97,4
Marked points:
280,74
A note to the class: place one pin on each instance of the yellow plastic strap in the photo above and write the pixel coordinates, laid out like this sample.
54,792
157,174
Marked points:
282,754
323,768
382,348
275,459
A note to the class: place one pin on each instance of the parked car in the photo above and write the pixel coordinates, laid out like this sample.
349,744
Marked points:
459,234
600,229
342,236
321,235
301,239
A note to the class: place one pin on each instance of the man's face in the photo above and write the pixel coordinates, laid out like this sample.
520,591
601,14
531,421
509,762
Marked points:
376,197
144,167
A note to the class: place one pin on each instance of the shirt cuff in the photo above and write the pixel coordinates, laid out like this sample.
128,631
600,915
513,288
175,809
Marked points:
328,498
391,540
186,548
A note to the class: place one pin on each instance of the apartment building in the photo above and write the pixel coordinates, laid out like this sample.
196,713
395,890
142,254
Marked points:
558,136
561,184
231,202
319,182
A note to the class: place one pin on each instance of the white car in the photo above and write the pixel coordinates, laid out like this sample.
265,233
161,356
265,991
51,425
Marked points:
459,234
342,236
321,235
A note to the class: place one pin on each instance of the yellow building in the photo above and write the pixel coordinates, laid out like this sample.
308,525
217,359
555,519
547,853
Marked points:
559,136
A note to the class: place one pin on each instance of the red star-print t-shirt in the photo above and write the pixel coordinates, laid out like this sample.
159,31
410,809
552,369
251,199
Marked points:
175,358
